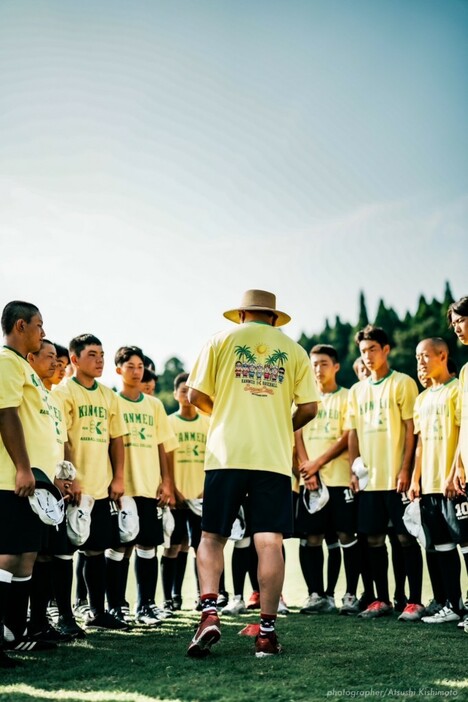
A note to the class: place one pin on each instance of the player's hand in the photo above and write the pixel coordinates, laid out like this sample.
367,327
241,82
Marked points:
179,497
166,494
414,491
403,481
354,483
76,492
449,489
309,468
312,483
25,482
65,487
459,480
116,490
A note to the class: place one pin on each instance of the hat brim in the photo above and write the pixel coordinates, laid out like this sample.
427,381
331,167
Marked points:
44,482
281,317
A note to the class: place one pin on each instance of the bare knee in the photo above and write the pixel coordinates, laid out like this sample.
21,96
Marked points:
376,540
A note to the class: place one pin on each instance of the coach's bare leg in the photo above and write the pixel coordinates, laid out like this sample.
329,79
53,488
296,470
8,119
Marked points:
210,561
270,570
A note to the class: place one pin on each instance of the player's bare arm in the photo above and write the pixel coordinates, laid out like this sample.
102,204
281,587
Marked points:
117,457
415,488
200,400
166,489
309,468
304,414
11,430
353,452
404,476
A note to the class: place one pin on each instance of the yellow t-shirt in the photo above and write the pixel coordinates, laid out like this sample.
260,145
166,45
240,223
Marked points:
377,412
435,420
147,427
93,417
324,431
189,458
253,373
462,415
20,387
58,415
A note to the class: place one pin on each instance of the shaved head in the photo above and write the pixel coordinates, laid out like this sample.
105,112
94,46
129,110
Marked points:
437,343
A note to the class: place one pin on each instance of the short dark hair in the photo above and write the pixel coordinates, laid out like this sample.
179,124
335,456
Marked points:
62,351
459,307
79,343
149,375
327,350
179,379
149,363
15,310
43,343
124,354
371,333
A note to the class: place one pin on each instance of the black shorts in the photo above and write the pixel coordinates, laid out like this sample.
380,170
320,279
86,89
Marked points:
187,526
104,530
268,504
151,530
436,519
338,515
377,507
56,542
21,530
460,505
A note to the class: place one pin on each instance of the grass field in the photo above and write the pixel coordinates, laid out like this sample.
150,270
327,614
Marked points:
326,657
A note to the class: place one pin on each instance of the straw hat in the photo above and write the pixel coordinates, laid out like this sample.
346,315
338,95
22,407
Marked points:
258,301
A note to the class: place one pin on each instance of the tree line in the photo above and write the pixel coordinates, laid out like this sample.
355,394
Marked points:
428,320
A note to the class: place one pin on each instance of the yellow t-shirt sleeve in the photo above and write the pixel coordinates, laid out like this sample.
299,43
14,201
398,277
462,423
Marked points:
305,389
407,393
11,384
416,416
202,376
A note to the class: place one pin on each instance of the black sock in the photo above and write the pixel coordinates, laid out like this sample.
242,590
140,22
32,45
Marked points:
94,572
168,568
4,599
450,568
378,558
146,574
365,568
333,569
113,582
222,584
414,569
17,607
81,589
181,565
437,584
253,568
351,564
124,580
41,593
62,574
315,554
240,567
305,566
400,570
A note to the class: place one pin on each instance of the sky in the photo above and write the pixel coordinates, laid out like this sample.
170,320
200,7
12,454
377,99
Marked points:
158,158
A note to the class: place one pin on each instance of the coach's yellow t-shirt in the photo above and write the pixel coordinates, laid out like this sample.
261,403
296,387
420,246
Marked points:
189,458
93,417
323,432
377,412
435,420
253,373
20,387
147,427
462,415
